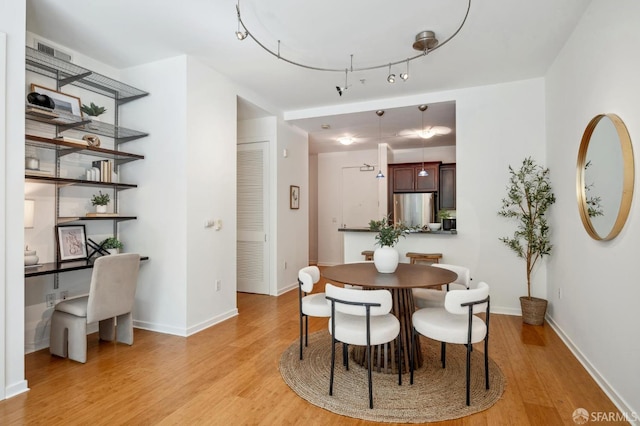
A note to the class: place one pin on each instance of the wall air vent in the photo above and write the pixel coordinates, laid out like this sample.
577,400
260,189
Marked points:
56,53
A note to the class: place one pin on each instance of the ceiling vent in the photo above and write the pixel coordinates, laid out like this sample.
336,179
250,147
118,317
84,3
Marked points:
52,51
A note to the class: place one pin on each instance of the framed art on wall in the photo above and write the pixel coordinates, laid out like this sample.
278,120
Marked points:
72,242
294,197
65,103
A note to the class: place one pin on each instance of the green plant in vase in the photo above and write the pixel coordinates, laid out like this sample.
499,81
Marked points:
446,219
529,196
386,257
93,110
112,244
100,200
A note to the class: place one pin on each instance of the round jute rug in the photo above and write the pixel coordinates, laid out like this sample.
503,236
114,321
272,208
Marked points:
437,394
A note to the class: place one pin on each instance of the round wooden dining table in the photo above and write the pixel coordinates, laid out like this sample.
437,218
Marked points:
406,277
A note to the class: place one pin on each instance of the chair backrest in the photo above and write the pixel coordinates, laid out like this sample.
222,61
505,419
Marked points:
113,286
307,277
345,296
454,299
464,275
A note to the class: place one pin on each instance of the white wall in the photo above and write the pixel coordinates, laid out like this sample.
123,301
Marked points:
161,200
191,150
496,126
595,73
211,194
292,252
12,23
313,209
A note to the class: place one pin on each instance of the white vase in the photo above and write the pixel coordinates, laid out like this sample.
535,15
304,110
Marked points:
386,259
101,209
113,251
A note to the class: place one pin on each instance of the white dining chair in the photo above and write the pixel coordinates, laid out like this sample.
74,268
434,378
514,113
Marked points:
434,298
314,305
455,323
361,318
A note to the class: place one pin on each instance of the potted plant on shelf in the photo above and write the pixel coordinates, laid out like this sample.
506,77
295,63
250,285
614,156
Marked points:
445,217
100,200
93,110
386,257
112,245
529,196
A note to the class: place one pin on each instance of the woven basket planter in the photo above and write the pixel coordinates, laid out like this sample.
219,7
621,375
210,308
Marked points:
533,310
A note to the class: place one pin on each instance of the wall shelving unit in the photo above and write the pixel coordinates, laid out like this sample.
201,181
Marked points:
65,73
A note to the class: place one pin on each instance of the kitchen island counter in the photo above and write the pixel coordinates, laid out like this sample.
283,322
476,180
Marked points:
357,240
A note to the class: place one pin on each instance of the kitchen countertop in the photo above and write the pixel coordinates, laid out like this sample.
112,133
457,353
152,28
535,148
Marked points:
452,232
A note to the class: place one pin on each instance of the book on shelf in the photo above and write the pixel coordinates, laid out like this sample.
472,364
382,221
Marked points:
72,140
106,169
34,172
40,112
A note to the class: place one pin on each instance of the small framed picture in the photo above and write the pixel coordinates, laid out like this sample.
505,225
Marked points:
72,242
294,197
65,103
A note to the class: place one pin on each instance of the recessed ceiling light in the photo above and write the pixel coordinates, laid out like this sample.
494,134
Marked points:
345,141
325,126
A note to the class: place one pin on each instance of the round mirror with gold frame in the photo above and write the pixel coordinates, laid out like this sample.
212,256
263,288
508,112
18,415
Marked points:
605,175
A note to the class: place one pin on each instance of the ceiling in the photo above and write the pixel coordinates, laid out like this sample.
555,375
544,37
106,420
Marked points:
502,40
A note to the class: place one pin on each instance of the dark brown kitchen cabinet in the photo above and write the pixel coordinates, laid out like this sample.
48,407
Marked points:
404,177
447,190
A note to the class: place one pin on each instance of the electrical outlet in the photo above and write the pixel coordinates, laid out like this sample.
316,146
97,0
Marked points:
51,300
218,285
64,295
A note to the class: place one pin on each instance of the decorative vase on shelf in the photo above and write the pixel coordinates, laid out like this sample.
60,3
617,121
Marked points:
101,209
30,257
113,251
386,259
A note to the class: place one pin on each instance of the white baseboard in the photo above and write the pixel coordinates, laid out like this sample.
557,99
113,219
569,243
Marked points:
16,389
618,401
287,289
211,322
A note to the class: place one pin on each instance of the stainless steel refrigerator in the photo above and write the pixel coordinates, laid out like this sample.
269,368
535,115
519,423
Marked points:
414,209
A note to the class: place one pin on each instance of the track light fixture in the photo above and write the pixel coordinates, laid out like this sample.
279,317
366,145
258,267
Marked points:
425,42
392,77
346,86
379,113
423,172
240,35
405,75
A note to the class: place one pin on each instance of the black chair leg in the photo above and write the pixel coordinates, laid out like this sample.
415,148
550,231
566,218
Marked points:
468,373
345,355
443,353
412,350
301,336
486,361
333,363
369,374
306,330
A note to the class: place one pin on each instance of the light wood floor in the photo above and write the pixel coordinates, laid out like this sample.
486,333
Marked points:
228,375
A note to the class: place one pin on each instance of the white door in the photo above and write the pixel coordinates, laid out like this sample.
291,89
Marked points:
253,218
359,197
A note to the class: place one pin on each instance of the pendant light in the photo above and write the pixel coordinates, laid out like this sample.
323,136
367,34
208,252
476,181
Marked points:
379,113
423,172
